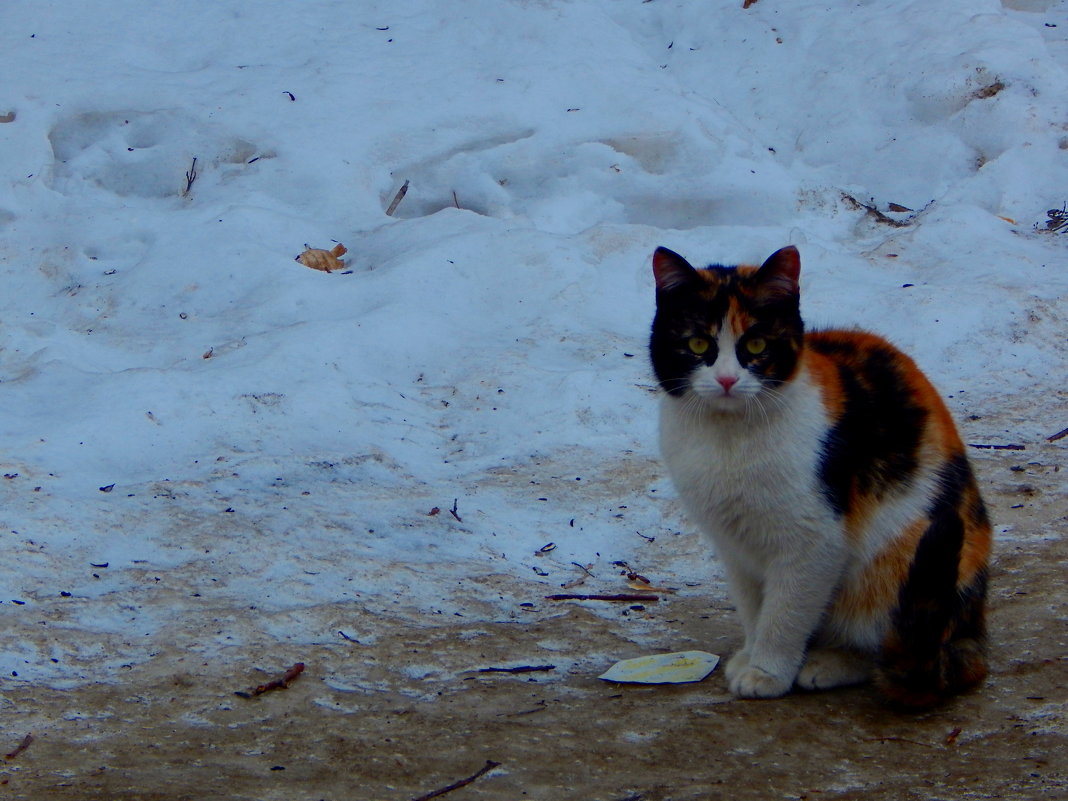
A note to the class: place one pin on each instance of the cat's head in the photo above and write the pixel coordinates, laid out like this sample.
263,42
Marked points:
726,335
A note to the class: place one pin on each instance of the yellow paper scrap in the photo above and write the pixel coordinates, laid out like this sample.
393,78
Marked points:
676,668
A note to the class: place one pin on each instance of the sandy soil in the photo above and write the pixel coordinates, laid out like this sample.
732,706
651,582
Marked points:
410,713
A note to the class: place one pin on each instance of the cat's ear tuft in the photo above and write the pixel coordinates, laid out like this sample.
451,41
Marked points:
671,270
778,276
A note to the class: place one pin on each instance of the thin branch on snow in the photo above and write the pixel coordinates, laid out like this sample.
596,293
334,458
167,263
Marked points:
397,199
190,177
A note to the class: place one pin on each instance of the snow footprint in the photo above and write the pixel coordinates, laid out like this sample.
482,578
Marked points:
438,182
677,179
139,154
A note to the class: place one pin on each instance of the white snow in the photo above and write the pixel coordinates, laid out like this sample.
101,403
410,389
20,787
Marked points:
273,439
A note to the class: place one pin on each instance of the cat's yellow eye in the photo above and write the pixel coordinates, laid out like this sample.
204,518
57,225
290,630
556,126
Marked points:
698,345
756,346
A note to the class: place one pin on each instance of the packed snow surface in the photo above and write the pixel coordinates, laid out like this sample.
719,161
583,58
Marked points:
196,426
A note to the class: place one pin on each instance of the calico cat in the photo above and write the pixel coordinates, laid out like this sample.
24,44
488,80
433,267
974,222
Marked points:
831,480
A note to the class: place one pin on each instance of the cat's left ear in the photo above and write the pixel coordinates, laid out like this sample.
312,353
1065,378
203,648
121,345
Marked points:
671,270
778,277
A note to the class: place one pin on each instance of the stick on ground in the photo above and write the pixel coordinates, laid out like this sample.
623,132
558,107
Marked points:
490,765
620,597
520,669
26,741
281,683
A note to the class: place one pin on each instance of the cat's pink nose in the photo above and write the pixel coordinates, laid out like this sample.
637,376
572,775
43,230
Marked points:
726,381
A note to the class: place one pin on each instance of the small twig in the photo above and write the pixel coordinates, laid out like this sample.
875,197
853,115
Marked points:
584,569
873,212
520,669
345,636
490,765
454,511
26,741
1058,219
897,740
540,706
397,199
190,177
455,200
986,447
626,597
281,683
1058,435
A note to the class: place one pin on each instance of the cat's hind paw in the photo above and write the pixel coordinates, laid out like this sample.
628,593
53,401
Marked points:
825,668
754,682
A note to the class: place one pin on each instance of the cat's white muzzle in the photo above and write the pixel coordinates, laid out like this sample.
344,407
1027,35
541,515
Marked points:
723,388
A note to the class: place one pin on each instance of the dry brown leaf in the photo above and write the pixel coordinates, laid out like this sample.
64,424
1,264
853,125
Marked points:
325,260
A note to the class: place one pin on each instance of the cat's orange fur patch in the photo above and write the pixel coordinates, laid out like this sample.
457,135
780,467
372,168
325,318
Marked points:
875,591
824,374
978,538
738,319
940,443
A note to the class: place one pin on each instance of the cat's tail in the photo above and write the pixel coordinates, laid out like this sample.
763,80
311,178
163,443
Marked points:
936,646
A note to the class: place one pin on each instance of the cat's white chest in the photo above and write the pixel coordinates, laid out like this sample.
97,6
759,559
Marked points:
750,480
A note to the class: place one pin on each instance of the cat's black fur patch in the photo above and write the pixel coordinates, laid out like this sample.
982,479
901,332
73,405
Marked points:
778,363
682,311
940,629
873,445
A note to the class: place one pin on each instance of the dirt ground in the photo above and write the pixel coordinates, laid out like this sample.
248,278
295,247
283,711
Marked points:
411,713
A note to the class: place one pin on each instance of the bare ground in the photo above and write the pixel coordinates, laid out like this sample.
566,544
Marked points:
409,713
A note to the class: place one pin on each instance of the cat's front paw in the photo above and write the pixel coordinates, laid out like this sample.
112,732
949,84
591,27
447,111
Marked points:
754,682
736,664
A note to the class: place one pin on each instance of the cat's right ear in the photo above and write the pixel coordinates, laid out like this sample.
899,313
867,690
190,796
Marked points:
671,270
778,276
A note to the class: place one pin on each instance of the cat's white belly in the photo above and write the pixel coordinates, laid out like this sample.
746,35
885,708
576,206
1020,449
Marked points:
752,484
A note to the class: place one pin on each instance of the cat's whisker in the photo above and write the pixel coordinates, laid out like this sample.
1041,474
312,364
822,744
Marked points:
693,406
775,396
759,404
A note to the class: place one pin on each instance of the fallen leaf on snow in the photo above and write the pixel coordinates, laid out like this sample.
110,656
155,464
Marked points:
325,260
